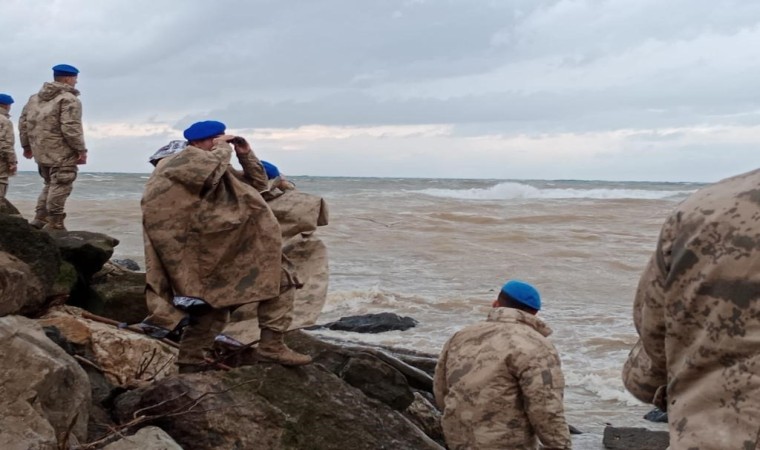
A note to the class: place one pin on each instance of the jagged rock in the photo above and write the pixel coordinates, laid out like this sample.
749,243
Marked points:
378,380
656,415
20,290
148,438
635,439
37,250
126,264
43,391
372,323
426,416
6,207
87,251
126,358
268,406
120,294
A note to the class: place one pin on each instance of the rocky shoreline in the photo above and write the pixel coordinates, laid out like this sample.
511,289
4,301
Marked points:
76,376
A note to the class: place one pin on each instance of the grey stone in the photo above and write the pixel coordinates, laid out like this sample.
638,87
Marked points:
635,439
148,438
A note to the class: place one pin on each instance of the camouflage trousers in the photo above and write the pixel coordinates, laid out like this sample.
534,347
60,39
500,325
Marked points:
198,337
3,187
58,184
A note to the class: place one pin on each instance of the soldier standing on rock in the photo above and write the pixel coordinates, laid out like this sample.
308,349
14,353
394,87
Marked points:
8,162
211,245
499,383
50,128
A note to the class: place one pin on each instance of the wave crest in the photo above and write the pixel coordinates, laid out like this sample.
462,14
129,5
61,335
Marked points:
516,191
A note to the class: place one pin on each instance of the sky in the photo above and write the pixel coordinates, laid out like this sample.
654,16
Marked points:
644,90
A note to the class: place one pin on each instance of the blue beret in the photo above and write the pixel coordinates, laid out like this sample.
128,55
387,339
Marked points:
204,130
65,70
271,170
6,99
523,293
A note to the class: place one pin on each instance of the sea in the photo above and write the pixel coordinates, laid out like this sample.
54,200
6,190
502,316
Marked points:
438,250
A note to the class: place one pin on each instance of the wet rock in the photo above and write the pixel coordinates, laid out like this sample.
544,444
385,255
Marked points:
6,207
269,406
126,264
656,415
119,294
635,439
38,251
66,281
426,416
87,251
148,438
44,391
372,323
378,380
20,290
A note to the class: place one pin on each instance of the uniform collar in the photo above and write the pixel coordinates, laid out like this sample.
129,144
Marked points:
512,315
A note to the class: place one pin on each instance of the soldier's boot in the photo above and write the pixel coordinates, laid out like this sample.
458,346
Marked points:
272,348
40,220
55,222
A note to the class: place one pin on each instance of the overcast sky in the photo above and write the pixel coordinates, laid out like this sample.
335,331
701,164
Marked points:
509,89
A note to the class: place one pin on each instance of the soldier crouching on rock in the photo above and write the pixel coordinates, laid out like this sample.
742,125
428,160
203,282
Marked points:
211,245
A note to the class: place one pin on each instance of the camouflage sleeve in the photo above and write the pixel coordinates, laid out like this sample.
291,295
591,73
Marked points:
71,123
253,171
220,155
7,141
22,129
439,380
542,385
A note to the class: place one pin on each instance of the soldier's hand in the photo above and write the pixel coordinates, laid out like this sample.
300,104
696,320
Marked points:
223,138
28,153
82,159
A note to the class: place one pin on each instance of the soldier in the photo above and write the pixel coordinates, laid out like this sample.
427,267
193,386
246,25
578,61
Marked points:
50,128
211,245
499,383
697,313
8,162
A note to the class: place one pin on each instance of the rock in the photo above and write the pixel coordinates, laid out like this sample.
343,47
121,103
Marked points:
6,207
120,296
372,323
126,264
125,358
378,380
21,291
44,391
148,438
657,415
635,439
427,417
37,250
268,406
87,251
66,281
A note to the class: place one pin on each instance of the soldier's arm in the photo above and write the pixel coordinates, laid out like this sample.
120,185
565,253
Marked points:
23,131
71,123
542,385
7,141
440,388
253,171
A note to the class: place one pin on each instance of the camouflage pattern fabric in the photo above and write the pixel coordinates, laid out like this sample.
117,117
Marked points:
207,234
57,184
51,125
499,384
7,153
697,312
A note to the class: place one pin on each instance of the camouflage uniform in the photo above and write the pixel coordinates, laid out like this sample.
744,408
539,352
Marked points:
500,385
697,312
7,154
50,127
210,236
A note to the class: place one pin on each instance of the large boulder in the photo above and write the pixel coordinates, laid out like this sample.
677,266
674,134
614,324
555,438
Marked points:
87,251
126,358
426,416
378,380
44,393
148,438
120,294
635,439
6,207
19,288
372,323
268,406
37,250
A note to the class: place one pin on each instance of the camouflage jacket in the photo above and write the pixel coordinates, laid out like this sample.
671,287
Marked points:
207,234
7,141
500,385
697,312
51,125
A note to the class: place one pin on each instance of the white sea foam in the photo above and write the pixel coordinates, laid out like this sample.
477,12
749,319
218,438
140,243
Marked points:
511,191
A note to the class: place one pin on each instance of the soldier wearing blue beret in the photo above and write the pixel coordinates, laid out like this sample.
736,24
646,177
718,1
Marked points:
8,162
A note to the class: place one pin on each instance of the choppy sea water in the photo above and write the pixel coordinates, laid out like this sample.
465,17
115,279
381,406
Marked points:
438,250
